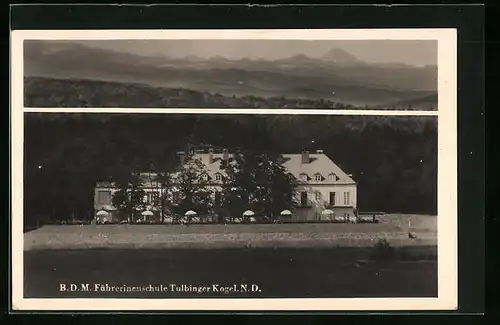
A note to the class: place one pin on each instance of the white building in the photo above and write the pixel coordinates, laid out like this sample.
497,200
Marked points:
322,184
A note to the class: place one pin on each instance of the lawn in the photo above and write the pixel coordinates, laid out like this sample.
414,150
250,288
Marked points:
393,228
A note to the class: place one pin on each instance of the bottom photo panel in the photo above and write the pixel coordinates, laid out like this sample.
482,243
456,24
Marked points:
229,206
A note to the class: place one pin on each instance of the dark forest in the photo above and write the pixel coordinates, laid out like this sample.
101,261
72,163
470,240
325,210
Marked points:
393,159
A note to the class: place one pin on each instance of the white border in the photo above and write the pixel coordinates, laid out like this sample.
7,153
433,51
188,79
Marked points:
447,169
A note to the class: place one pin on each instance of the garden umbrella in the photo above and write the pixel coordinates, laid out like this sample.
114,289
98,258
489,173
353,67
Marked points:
327,212
286,213
147,213
102,213
190,213
248,213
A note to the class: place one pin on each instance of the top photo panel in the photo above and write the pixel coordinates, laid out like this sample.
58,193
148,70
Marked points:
232,73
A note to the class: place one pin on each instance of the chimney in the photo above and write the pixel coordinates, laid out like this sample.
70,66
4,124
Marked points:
305,157
225,155
210,156
319,151
182,157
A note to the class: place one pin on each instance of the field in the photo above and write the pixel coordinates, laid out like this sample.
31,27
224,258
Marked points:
393,228
283,260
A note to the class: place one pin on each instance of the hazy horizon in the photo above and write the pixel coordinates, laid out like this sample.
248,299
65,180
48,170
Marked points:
412,52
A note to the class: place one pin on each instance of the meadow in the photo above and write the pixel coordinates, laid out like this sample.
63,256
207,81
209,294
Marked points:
393,228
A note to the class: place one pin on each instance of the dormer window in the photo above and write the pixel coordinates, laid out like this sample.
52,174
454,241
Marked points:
204,177
333,178
303,177
318,177
218,177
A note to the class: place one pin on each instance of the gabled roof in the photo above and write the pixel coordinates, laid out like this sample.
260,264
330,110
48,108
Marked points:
213,167
318,163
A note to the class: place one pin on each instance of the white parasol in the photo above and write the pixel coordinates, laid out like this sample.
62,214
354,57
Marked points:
248,213
102,213
147,213
286,213
327,212
190,213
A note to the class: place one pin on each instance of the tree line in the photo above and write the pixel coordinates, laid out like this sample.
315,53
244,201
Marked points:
393,159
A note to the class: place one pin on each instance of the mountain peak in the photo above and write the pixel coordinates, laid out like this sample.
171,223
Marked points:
299,57
340,56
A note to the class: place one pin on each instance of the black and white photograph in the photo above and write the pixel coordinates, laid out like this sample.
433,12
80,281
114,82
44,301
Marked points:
234,170
165,205
320,74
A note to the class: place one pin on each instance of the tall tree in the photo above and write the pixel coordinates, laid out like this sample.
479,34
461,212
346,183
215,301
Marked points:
190,189
237,185
129,198
161,186
257,181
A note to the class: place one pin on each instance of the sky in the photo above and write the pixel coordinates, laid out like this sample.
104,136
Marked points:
414,52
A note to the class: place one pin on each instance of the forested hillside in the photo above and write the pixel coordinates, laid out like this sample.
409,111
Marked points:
393,159
50,92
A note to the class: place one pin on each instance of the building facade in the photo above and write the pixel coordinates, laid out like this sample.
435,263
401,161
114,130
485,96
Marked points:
322,185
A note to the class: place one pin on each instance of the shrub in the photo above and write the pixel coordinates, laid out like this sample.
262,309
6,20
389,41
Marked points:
382,250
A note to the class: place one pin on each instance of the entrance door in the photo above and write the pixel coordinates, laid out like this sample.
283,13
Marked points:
332,198
303,199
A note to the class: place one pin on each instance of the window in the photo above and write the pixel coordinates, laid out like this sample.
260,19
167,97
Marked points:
218,177
104,197
318,178
204,177
218,198
303,198
318,196
154,197
346,198
332,178
303,177
332,198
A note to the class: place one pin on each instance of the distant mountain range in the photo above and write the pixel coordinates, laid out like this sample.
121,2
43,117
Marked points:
337,75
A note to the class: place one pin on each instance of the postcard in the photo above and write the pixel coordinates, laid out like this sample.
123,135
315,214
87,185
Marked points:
241,170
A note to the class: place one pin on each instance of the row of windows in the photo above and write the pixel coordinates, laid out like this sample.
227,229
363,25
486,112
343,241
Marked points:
304,177
318,197
218,177
104,197
319,178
